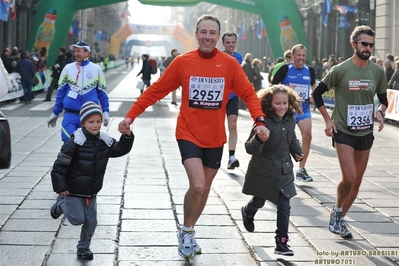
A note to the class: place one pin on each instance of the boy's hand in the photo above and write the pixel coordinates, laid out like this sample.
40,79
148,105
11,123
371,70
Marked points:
64,193
124,128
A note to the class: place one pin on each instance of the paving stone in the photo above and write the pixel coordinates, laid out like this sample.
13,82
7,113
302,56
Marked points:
26,238
148,225
27,255
30,225
383,241
154,214
11,200
147,238
70,259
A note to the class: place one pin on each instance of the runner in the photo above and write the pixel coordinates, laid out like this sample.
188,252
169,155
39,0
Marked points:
229,42
207,76
300,77
356,81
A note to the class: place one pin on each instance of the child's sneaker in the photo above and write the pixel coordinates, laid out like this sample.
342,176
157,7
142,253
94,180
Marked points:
247,221
85,254
55,210
282,248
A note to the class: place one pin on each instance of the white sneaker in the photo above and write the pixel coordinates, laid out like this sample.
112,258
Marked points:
185,238
233,163
197,249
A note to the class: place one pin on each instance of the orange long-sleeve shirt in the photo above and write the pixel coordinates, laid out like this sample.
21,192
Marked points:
206,86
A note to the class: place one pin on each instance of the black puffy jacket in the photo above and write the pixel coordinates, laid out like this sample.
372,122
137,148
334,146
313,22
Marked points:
81,163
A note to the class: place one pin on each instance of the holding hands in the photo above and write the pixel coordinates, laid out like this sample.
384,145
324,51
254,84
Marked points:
124,126
262,132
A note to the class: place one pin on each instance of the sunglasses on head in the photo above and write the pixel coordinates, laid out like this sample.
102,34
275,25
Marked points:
365,44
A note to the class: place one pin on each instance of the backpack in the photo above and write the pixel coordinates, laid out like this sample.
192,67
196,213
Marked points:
154,66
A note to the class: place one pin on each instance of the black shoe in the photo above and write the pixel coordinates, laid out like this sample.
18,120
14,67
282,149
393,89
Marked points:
174,103
46,100
85,254
248,221
282,248
55,210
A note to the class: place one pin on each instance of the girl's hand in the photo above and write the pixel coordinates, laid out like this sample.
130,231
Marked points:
299,157
262,132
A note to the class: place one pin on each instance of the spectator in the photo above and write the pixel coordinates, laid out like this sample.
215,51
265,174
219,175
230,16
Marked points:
145,72
390,57
271,69
68,59
247,66
388,69
174,52
394,81
5,57
265,65
75,88
27,71
256,65
287,59
106,62
56,73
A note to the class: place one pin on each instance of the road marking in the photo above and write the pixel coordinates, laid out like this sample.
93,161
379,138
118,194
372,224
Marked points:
11,106
44,106
114,106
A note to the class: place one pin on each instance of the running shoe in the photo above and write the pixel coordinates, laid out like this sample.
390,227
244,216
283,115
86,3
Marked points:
197,249
233,163
185,238
303,176
344,232
335,219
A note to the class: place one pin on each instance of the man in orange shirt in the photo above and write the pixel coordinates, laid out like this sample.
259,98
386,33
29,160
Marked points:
207,76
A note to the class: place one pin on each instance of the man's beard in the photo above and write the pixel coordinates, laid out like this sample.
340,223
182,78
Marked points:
362,55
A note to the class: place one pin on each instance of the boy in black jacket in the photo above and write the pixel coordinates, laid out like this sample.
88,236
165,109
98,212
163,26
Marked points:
78,172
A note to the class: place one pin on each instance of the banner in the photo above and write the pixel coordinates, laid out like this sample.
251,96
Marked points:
4,9
393,105
16,88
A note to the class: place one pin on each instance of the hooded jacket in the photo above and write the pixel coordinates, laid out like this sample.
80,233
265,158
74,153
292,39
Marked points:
80,165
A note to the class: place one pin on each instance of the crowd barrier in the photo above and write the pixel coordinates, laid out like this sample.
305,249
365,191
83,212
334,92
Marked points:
16,88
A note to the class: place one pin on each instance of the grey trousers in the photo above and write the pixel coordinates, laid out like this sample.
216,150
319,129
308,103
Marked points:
81,211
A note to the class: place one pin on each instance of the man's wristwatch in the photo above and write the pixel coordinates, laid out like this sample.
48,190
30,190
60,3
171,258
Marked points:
382,113
260,121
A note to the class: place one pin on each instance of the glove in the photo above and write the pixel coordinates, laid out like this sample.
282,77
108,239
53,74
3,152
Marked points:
106,118
51,121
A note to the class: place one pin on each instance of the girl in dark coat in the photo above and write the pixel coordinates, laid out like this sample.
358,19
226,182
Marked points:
270,170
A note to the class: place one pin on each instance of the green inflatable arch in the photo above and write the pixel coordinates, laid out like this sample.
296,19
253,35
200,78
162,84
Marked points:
281,18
